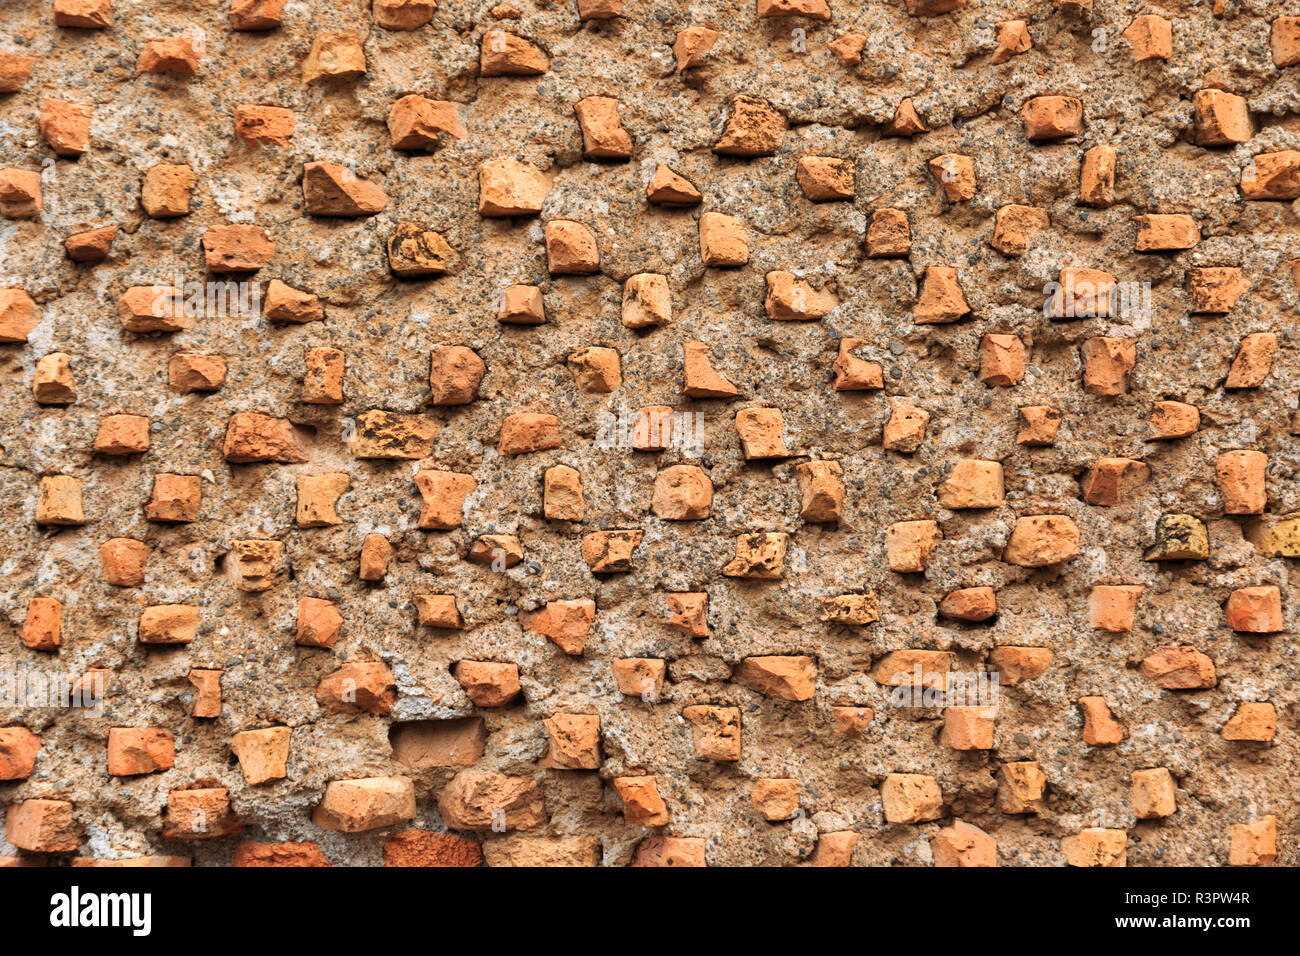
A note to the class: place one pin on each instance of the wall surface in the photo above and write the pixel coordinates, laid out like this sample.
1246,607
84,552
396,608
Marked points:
884,416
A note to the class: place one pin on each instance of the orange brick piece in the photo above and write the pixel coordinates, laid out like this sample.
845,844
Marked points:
134,751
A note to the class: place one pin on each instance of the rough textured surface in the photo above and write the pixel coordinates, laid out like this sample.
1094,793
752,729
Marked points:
1027,148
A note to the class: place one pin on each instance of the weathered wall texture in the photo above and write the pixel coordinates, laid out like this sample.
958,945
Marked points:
822,241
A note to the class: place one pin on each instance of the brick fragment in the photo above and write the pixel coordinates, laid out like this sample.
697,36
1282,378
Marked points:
1108,365
692,45
280,854
1267,176
905,429
20,193
1241,477
169,624
322,380
423,848
825,178
574,741
254,437
485,800
603,135
255,14
52,382
66,126
1179,537
1152,793
237,248
890,235
175,498
760,556
18,315
256,564
1097,177
715,731
570,248
43,627
371,803
641,677
972,605
177,56
762,433
723,240
848,47
507,187
258,125
123,560
1179,668
167,190
567,623
1038,425
1112,481
1252,721
1174,420
789,297
1003,360
414,251
963,845
942,299
376,555
207,684
1022,787
329,189
263,754
1100,728
909,544
682,493
15,70
1111,606
610,552
911,798
134,751
1012,39
403,14
854,374
59,502
1220,118
954,174
358,687
1253,844
1284,41
1013,226
1160,233
1254,361
753,128
191,372
40,825
905,122
699,378
667,188
783,677
642,805
1255,610
1052,117
488,683
505,54
1041,540
387,435
1151,38
689,613
972,483
968,727
335,58
1095,847
662,850
1016,665
200,813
